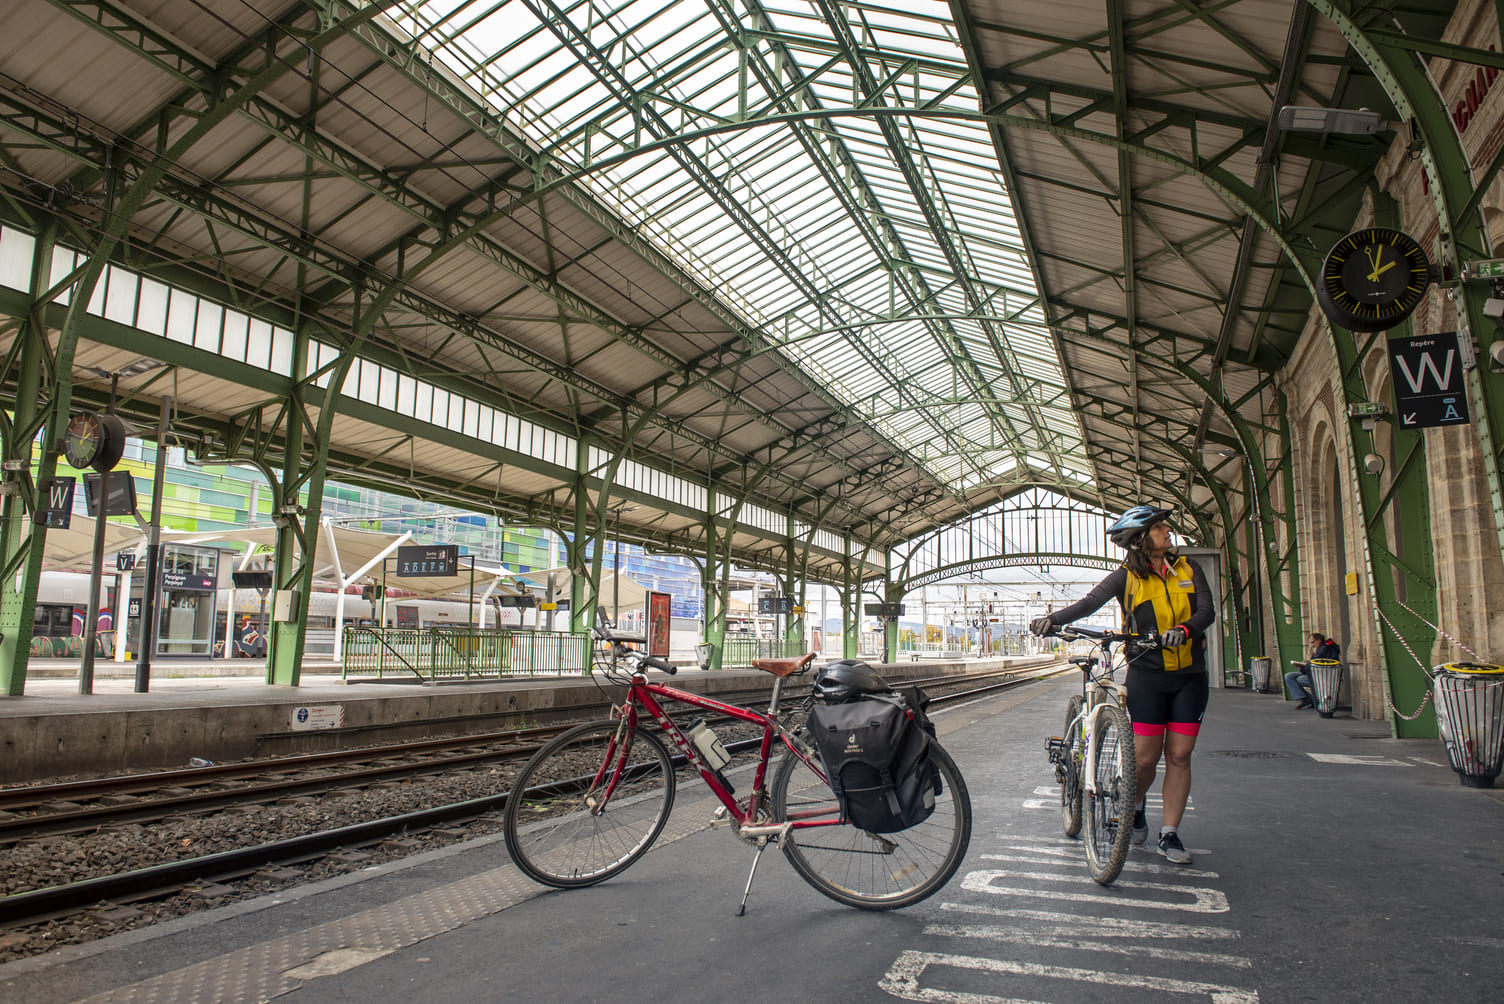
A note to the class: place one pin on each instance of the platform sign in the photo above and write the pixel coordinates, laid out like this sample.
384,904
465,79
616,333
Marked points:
1429,383
54,503
775,604
318,716
428,560
892,611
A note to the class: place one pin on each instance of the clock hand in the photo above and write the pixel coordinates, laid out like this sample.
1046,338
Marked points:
1382,269
1375,256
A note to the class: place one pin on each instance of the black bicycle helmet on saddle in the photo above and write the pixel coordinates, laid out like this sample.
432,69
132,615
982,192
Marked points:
840,681
1134,523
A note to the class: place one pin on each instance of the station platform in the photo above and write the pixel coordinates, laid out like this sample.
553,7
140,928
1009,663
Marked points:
1332,863
54,731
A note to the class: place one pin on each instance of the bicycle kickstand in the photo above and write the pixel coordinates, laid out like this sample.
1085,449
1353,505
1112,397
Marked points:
762,845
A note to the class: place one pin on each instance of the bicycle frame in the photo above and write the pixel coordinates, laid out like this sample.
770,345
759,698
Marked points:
1097,689
642,696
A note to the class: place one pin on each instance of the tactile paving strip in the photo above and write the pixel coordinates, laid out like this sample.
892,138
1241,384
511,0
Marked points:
261,972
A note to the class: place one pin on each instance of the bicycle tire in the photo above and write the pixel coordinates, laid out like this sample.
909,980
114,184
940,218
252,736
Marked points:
551,833
1074,768
1109,810
867,870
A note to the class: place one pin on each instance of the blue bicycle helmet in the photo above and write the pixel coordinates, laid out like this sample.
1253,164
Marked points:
1131,525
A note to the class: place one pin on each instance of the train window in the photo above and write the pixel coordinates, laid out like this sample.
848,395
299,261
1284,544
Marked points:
52,620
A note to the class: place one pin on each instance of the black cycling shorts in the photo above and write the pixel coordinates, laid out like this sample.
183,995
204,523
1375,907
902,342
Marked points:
1158,700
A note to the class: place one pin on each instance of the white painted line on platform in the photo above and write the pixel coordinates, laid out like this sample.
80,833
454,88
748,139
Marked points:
1031,936
1054,922
902,980
1358,759
1076,855
1429,763
1202,900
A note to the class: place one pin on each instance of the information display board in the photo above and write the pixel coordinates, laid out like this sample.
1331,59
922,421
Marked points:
419,560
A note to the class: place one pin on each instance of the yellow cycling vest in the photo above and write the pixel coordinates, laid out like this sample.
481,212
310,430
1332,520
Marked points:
1155,604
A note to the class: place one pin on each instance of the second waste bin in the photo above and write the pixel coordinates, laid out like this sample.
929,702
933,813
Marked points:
1326,681
1470,715
1259,665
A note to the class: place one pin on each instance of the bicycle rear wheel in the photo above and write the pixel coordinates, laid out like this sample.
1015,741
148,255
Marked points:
560,832
873,871
1109,810
1073,768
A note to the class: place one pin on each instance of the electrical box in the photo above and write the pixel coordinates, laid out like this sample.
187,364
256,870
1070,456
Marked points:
285,605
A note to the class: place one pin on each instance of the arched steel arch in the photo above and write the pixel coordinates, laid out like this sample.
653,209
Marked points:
903,586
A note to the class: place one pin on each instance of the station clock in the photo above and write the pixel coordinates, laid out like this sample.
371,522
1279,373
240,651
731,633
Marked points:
1373,279
94,441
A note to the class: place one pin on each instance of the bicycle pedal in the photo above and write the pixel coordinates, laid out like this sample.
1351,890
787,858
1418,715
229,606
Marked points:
720,819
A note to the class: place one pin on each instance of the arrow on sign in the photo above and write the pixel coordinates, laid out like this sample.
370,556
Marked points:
1409,419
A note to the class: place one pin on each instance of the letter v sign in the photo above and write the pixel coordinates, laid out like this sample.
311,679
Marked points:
1428,381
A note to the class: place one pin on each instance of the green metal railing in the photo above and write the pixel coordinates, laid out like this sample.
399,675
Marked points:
740,652
435,654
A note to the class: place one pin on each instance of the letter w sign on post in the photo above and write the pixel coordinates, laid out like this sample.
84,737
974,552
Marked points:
1429,384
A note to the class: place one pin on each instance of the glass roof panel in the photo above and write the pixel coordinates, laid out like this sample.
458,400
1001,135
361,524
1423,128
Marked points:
880,250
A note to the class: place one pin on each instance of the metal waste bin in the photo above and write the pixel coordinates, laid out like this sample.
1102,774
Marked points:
1326,680
1470,713
1260,665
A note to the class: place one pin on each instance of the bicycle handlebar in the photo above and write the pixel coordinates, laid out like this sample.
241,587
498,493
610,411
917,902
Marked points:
655,663
1145,642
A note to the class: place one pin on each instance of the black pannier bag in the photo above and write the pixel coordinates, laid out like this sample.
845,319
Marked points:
876,752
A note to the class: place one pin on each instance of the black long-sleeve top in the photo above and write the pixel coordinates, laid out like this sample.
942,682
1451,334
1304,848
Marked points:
1155,604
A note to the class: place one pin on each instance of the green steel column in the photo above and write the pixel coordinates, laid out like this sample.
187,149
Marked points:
892,593
21,543
715,570
848,598
580,619
793,627
298,523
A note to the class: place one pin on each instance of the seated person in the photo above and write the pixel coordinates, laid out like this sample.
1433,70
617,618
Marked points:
1298,682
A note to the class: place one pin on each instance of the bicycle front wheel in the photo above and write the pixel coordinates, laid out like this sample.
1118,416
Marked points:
1109,810
566,825
1073,769
872,871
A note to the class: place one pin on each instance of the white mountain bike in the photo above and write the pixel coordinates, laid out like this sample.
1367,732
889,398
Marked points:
1095,761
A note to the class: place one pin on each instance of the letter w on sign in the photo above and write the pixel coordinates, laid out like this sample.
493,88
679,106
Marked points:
1428,381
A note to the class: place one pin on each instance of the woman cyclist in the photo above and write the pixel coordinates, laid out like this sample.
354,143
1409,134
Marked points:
1161,593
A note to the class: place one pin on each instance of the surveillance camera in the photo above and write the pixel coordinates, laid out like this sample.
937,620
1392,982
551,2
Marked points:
1493,307
1373,463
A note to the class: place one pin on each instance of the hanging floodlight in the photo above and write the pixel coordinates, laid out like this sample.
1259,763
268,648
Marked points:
1305,118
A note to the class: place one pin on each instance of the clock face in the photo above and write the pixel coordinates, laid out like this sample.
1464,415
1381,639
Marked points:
85,437
1373,279
93,440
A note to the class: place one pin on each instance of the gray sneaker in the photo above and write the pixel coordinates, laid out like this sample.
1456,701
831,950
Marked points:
1140,826
1171,847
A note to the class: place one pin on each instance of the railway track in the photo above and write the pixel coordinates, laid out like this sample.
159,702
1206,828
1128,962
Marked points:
197,791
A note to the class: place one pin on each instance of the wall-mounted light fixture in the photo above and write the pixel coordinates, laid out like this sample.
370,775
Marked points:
1305,118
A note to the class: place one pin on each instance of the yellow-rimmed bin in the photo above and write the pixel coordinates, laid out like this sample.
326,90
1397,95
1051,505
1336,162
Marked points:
1469,700
1326,681
1259,666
